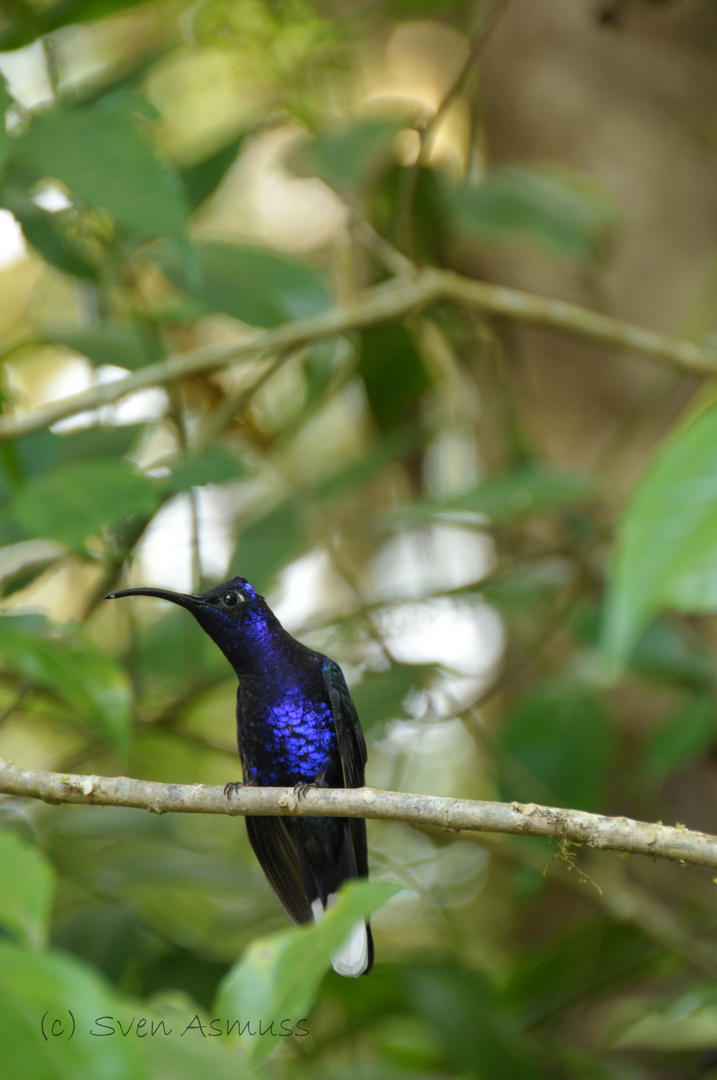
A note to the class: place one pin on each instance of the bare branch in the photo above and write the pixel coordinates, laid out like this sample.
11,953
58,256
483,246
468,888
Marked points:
383,303
576,826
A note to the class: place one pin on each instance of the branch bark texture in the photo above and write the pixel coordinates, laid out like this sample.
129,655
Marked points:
526,819
393,300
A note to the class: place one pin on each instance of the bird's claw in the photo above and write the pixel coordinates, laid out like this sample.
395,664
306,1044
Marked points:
232,787
301,788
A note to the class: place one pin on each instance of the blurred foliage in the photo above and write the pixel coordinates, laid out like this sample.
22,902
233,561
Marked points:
183,173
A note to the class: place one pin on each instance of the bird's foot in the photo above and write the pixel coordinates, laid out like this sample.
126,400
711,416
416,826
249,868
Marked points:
234,785
301,788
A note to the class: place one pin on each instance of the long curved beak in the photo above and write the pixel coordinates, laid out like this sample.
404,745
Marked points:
185,600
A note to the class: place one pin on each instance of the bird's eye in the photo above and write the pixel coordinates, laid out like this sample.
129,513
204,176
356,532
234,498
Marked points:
230,599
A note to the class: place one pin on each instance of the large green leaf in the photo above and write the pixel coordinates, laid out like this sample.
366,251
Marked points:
279,977
26,888
176,1058
91,683
44,996
83,499
666,548
393,372
32,455
107,163
255,285
558,743
564,212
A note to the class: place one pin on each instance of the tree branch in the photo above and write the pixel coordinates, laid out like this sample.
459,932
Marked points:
383,303
577,826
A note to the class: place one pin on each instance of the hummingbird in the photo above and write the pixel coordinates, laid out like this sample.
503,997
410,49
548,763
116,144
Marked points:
296,727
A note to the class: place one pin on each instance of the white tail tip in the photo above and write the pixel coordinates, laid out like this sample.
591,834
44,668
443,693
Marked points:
352,958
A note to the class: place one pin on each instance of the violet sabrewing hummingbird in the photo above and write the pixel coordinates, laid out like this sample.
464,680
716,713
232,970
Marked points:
296,727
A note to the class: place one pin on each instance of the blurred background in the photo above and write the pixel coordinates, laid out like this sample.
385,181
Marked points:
434,502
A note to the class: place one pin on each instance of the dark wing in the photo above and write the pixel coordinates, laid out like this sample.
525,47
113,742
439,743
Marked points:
275,848
352,748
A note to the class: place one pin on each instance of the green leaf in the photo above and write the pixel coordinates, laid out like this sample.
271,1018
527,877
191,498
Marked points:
21,576
667,651
94,442
393,372
53,235
345,158
257,286
107,163
91,683
667,541
546,977
203,178
30,24
682,740
83,499
565,213
525,587
176,1058
558,744
380,694
119,342
35,454
503,498
280,976
479,1036
216,466
26,888
689,1022
398,444
48,987
269,544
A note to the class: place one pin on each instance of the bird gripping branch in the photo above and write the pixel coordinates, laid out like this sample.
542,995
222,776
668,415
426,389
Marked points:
296,726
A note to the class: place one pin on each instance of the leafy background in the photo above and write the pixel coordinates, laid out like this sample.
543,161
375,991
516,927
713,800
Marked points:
508,539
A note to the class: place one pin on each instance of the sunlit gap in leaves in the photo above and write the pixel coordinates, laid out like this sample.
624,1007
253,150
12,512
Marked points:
26,73
419,65
164,558
12,242
140,408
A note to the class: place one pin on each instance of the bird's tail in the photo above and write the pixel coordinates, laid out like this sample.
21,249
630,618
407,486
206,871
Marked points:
355,957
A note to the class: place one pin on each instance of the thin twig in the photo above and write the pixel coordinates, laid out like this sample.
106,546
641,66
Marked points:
577,826
478,42
427,131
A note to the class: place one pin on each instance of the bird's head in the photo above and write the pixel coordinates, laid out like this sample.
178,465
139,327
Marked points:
234,615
